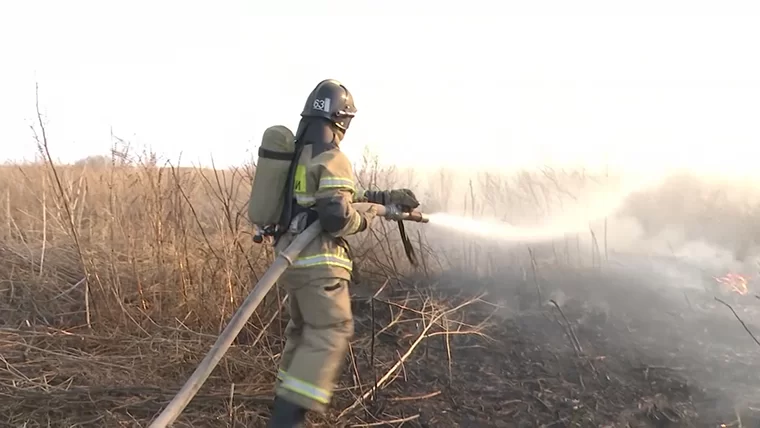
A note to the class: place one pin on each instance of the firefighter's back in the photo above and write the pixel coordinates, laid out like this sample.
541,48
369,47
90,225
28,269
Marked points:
326,256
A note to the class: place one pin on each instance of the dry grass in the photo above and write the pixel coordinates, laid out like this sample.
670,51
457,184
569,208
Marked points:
116,275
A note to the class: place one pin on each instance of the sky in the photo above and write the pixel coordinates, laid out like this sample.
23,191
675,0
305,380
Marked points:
645,85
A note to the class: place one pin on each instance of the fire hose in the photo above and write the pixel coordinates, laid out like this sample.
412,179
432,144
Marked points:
246,310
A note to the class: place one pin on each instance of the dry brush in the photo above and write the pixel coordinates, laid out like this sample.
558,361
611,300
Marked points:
118,272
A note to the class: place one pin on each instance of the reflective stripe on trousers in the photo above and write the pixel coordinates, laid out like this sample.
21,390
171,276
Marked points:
303,388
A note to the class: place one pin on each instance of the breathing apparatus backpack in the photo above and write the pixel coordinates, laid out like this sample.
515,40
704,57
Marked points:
269,193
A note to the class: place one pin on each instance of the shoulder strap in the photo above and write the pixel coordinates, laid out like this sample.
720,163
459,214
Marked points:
287,209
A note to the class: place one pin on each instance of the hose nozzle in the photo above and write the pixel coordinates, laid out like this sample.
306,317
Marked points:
417,216
395,213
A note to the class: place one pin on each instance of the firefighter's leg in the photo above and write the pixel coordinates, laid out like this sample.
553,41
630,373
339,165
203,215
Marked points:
286,414
325,306
293,335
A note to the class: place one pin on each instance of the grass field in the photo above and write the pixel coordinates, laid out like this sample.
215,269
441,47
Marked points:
116,275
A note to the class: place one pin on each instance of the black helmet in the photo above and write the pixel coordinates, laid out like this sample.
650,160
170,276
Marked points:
331,100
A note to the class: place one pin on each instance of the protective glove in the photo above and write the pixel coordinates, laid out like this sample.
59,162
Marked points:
402,197
367,217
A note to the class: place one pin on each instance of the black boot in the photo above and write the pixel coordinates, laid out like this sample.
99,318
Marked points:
286,415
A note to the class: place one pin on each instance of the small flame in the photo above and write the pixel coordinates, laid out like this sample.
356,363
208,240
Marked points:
734,282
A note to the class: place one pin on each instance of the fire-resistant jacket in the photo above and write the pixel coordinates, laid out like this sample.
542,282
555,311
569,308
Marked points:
324,182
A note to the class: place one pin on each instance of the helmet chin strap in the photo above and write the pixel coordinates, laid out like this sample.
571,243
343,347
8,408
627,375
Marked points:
337,137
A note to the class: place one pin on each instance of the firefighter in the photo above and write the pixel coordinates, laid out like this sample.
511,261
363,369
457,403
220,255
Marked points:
321,322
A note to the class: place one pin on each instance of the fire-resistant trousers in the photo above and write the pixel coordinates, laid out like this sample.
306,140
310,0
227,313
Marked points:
317,337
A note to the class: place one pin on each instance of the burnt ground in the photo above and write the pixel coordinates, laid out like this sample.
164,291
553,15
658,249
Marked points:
647,355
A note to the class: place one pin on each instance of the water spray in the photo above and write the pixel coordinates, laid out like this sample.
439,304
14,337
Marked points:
566,223
238,321
498,230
